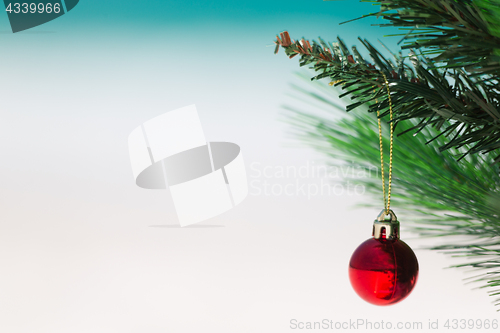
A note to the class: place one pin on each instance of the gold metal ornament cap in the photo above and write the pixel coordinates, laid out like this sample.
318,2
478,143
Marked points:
386,228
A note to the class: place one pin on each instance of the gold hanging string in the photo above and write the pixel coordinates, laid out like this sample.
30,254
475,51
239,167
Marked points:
387,201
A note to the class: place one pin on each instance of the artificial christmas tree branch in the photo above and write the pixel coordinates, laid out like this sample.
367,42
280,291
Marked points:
452,84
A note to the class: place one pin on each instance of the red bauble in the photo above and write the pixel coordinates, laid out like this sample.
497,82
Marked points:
383,271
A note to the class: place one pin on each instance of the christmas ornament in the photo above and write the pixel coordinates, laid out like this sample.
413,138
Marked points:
383,270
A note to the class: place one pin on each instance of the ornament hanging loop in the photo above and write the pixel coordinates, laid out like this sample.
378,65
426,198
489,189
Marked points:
382,216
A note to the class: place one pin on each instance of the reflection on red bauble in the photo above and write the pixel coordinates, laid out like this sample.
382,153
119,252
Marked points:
383,271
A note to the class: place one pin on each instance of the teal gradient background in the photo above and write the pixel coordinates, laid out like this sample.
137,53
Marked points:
83,249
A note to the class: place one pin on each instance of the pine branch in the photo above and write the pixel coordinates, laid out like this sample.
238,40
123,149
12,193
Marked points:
456,88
